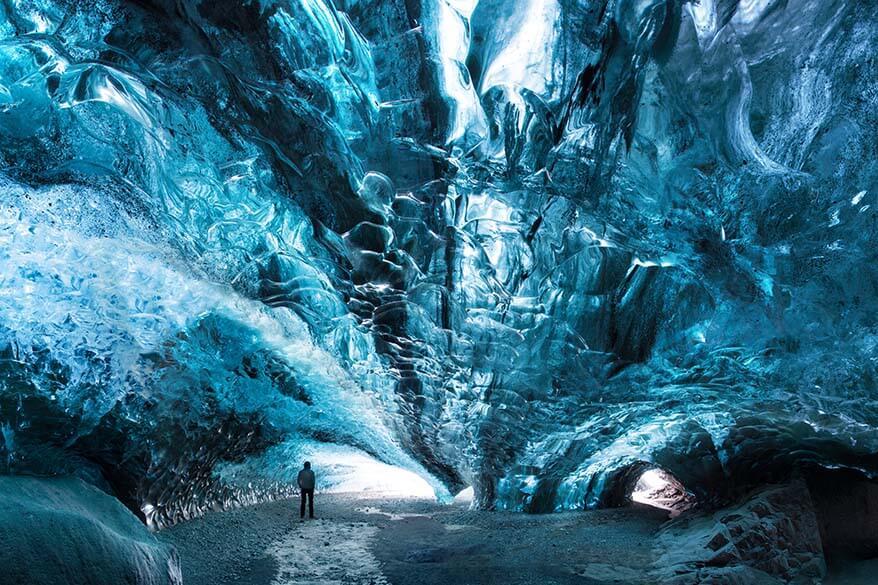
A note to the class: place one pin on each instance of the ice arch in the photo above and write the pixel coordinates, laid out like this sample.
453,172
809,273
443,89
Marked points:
231,232
659,489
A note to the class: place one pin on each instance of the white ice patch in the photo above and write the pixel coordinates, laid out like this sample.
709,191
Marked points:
465,496
521,51
327,553
704,17
834,219
373,510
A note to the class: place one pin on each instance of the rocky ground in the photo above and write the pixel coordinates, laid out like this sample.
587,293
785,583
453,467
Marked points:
396,542
769,538
63,531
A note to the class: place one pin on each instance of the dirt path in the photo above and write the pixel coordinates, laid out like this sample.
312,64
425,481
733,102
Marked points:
418,542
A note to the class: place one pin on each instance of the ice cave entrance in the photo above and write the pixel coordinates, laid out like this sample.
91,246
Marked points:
465,496
659,489
352,472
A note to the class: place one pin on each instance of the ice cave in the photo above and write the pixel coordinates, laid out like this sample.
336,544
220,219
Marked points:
547,291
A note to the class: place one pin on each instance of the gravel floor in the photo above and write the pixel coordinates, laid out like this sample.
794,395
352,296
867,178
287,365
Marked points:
356,541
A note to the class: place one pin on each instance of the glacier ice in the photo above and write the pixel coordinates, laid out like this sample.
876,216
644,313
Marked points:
91,537
528,246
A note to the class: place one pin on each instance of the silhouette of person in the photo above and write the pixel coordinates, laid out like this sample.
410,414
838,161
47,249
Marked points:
306,483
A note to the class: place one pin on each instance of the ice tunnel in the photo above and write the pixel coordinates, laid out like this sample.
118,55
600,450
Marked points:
535,247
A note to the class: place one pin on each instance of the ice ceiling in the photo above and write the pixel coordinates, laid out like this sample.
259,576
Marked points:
532,246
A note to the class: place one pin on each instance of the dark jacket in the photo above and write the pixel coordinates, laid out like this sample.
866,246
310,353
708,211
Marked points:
306,479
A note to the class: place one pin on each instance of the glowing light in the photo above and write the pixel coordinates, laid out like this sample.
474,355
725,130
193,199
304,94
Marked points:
659,489
352,472
465,496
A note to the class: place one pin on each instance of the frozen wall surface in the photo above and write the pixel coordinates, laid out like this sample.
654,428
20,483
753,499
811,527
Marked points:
531,246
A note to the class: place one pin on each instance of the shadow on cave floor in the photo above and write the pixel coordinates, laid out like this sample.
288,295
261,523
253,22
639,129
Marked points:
397,542
847,511
852,571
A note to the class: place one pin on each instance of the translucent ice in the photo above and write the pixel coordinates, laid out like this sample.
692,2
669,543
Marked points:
532,247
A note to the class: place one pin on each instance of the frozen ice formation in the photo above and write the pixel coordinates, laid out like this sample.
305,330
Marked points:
64,530
535,247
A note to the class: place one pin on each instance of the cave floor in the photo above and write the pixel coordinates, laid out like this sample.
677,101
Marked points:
387,541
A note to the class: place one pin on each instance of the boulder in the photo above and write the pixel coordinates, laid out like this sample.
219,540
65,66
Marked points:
771,537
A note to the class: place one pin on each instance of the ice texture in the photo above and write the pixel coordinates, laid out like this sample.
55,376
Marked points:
63,530
528,246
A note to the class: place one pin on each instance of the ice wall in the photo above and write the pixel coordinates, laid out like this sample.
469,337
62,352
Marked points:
528,246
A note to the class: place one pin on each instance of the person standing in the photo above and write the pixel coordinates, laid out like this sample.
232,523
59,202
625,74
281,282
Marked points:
306,483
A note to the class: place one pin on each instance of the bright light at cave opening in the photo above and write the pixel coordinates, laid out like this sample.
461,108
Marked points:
352,472
659,489
465,496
